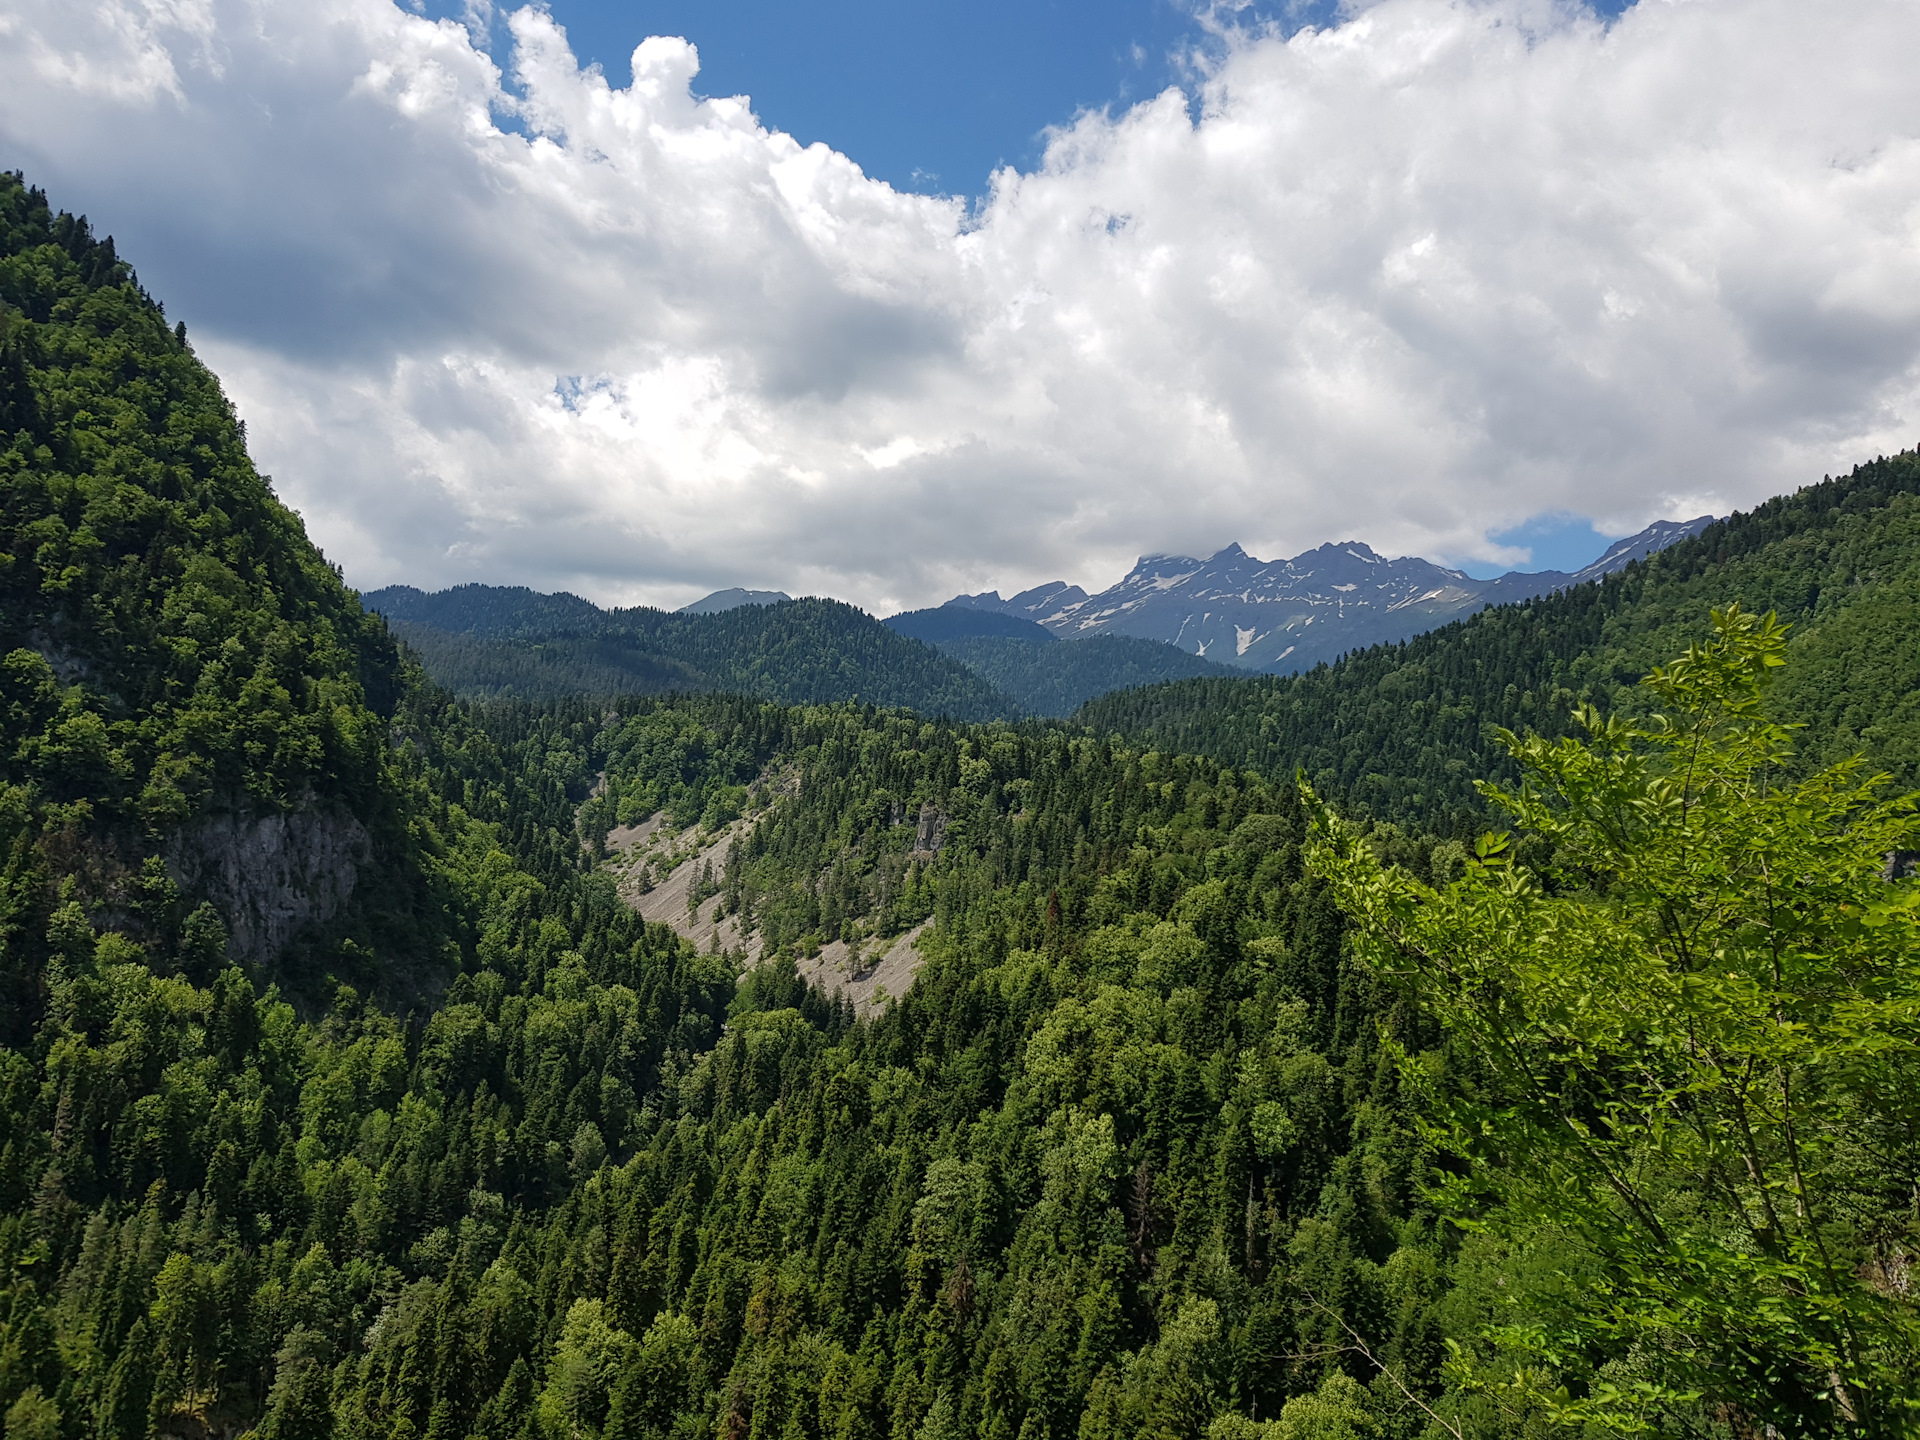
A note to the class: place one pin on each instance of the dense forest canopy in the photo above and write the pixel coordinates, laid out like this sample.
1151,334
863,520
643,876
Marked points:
182,667
344,1093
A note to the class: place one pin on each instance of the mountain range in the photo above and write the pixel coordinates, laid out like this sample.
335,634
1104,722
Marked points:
508,642
1282,616
977,656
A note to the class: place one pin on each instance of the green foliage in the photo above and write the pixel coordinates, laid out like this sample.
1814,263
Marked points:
205,1199
1695,1024
1855,678
181,667
691,762
171,639
176,661
1024,1199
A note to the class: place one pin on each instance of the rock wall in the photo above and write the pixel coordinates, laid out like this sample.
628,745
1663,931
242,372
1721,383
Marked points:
268,875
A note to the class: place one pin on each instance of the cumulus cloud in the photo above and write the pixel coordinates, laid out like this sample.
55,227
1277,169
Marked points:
1412,279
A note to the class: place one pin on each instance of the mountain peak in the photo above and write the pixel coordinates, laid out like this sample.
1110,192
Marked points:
1359,549
985,600
733,599
1657,536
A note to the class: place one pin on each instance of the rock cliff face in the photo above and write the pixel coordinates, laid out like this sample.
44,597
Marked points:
932,834
269,875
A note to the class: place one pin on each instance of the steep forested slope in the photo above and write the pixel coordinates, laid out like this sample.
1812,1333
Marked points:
189,690
497,642
1403,731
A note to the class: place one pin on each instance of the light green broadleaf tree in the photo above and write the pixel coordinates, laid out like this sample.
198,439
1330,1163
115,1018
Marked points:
1683,1065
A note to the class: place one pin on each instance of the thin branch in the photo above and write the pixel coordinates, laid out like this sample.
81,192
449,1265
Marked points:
1360,1345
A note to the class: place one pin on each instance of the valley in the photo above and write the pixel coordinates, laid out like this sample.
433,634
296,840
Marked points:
772,1022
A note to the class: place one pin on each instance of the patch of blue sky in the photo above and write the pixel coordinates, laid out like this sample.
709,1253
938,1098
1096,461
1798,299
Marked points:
1552,542
931,95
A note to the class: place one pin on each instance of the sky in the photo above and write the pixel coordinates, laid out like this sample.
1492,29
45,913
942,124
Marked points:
892,302
931,97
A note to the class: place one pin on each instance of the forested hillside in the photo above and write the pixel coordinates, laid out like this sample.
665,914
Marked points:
343,1092
1056,679
191,694
217,777
480,669
493,642
489,642
1027,663
1403,731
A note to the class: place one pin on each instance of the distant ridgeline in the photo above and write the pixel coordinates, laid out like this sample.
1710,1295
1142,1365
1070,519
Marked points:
1026,661
345,1093
732,599
1402,731
485,641
494,642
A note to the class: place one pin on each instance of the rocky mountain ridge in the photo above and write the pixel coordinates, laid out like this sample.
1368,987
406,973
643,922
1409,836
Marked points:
733,599
1286,615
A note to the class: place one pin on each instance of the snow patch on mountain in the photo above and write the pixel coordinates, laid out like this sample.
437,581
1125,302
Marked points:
1262,614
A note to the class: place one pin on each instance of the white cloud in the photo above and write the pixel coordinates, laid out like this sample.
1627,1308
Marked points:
1410,279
